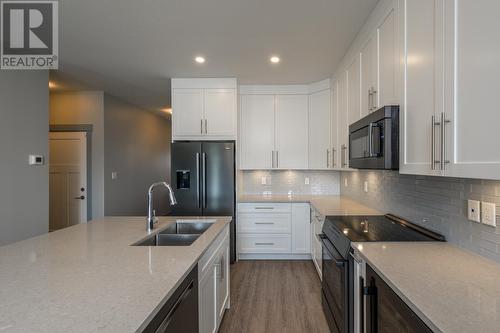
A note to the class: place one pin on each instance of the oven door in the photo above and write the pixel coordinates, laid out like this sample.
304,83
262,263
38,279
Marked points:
335,287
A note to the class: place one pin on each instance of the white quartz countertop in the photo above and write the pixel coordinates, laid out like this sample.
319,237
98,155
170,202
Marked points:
450,289
325,204
87,278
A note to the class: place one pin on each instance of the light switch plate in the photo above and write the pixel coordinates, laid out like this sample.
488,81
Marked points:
306,181
263,180
345,182
488,213
473,211
114,175
366,186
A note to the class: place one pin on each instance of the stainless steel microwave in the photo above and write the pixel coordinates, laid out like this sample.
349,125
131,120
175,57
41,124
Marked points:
374,140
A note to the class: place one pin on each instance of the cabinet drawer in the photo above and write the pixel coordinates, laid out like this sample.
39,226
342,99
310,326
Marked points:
265,207
264,243
264,223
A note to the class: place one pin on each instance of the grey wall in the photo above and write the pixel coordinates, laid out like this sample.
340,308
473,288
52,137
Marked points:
24,126
85,107
437,203
137,147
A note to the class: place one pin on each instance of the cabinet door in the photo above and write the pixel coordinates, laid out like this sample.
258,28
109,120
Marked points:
292,131
343,126
187,113
257,131
354,91
387,59
222,284
208,301
423,97
301,225
319,130
368,76
472,134
220,113
334,126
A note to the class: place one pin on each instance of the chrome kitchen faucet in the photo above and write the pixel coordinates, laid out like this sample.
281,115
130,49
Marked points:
152,219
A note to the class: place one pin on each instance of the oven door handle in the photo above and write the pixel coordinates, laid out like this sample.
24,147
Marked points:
339,262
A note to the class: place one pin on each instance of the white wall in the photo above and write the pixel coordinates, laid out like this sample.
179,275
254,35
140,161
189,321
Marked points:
24,126
85,107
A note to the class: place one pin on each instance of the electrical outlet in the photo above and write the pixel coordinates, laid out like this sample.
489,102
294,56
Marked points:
366,186
345,182
263,180
473,211
306,181
488,213
114,175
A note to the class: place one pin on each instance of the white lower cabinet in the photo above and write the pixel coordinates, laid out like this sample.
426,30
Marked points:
213,271
273,230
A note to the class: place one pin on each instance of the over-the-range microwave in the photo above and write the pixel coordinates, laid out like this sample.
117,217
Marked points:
374,140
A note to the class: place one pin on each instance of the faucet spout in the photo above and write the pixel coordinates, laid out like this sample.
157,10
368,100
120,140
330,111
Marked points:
151,214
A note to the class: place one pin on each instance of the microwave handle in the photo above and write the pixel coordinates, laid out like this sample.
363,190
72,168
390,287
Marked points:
370,139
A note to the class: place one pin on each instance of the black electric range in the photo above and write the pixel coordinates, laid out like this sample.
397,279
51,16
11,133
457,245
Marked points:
338,264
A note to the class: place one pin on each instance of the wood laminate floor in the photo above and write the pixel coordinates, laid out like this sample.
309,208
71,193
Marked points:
274,297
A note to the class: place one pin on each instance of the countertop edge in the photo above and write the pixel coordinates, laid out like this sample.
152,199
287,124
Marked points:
400,294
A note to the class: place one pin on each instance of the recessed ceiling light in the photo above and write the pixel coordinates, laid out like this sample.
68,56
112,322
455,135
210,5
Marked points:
274,59
199,59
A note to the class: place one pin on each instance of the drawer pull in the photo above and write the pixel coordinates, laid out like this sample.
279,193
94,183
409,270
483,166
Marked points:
264,207
264,222
264,243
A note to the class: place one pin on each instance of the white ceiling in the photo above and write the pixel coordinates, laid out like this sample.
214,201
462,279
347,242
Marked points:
131,48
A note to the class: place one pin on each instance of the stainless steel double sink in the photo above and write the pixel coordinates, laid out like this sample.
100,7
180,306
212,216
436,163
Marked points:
180,233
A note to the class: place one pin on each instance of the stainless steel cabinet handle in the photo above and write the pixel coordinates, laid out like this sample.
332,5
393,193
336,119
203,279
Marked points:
201,126
273,163
444,122
222,268
206,126
264,222
328,158
344,156
374,98
334,164
370,99
433,143
82,197
264,243
277,159
264,207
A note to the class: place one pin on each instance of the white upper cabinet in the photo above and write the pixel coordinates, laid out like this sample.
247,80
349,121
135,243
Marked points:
387,37
423,100
368,75
343,123
204,109
220,115
187,112
472,136
353,91
257,131
319,130
292,131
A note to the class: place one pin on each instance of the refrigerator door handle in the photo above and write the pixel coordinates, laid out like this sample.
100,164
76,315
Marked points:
198,203
204,178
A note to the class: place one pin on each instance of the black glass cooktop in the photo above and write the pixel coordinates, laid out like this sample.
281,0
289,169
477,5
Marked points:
385,228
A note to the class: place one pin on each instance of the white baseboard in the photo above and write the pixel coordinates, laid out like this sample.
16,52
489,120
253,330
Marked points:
273,256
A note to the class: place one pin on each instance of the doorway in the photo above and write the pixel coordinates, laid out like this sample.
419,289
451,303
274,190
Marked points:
68,191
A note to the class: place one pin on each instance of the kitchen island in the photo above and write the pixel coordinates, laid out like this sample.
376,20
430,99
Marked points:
88,278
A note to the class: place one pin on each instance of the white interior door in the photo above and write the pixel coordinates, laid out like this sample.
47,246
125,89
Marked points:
68,179
292,113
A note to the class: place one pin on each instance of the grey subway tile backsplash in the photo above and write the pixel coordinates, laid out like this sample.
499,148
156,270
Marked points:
437,203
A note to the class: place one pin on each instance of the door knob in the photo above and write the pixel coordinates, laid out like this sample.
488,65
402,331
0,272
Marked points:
82,197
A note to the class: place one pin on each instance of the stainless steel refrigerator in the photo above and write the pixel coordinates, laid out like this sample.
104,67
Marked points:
203,178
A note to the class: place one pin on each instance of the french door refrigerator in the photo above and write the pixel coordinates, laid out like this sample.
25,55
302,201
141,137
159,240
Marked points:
203,179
